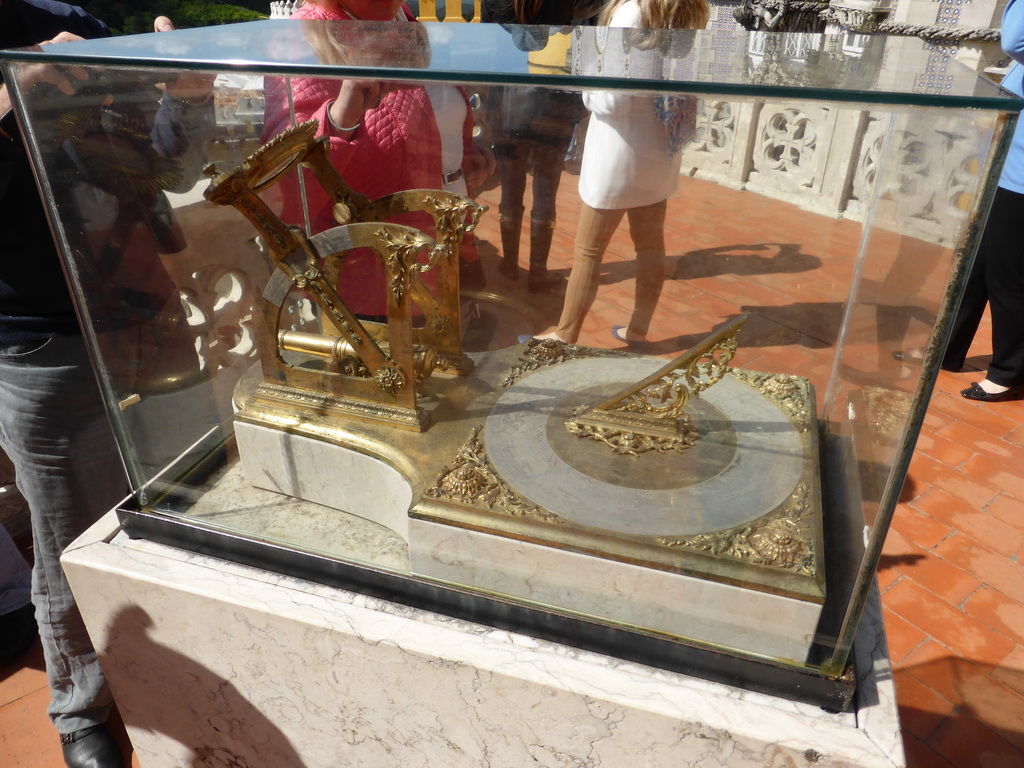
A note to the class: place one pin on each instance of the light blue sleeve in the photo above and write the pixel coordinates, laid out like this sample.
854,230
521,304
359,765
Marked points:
1012,36
1012,30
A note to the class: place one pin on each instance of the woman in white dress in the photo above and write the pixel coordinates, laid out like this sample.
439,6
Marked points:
630,167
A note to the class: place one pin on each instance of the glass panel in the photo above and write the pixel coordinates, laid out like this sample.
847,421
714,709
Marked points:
304,370
724,59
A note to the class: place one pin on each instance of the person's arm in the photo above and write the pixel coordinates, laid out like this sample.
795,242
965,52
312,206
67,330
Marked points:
185,120
347,112
11,148
1012,30
478,162
7,126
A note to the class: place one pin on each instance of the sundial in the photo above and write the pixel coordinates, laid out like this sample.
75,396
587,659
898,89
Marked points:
682,496
732,493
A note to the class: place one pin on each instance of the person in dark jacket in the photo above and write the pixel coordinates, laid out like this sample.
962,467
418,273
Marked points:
52,419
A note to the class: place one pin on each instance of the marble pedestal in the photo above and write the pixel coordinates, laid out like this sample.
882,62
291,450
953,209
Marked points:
217,664
705,609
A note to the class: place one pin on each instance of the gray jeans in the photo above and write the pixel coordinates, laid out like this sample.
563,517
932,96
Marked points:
53,427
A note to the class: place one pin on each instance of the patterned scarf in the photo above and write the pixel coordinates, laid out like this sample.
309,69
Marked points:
679,116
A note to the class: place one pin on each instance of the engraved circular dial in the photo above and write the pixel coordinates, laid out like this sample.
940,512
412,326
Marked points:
747,460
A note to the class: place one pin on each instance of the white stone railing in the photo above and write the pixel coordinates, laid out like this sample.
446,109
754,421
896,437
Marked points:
826,156
282,9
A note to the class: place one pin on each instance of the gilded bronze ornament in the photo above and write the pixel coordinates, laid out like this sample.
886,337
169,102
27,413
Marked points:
783,539
365,370
650,415
472,480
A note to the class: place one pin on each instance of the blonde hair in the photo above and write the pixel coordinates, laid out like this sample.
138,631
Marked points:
663,14
405,46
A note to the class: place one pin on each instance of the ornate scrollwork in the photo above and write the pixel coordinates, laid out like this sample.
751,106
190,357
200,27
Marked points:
454,221
852,19
472,480
400,258
543,352
887,413
667,398
230,189
784,390
780,539
655,407
629,443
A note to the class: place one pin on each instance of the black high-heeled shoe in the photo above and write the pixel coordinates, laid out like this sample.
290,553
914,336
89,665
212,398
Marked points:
975,392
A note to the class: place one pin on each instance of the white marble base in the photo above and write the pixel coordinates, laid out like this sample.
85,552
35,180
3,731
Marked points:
721,614
216,664
324,473
709,611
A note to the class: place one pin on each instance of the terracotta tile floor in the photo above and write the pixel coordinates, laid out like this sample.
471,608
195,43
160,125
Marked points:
951,578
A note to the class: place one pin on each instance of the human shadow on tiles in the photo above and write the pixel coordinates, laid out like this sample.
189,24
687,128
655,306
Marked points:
909,489
894,561
181,699
753,259
779,326
974,716
810,324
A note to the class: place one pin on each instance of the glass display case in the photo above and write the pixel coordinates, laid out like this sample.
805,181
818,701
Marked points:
322,347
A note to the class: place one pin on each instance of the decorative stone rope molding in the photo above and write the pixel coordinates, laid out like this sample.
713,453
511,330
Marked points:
778,15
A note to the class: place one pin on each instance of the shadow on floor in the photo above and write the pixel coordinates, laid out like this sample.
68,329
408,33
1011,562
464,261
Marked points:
188,703
739,260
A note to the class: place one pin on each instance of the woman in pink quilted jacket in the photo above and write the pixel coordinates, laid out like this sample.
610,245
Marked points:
385,137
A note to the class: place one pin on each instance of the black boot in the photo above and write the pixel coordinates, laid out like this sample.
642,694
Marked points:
91,748
510,223
540,279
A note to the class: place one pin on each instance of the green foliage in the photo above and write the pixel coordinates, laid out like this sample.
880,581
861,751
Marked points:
129,19
204,13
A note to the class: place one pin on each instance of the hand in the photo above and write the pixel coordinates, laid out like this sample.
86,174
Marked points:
188,86
45,73
478,166
58,76
354,99
62,37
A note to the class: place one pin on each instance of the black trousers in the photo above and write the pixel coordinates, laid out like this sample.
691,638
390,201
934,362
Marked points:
997,279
